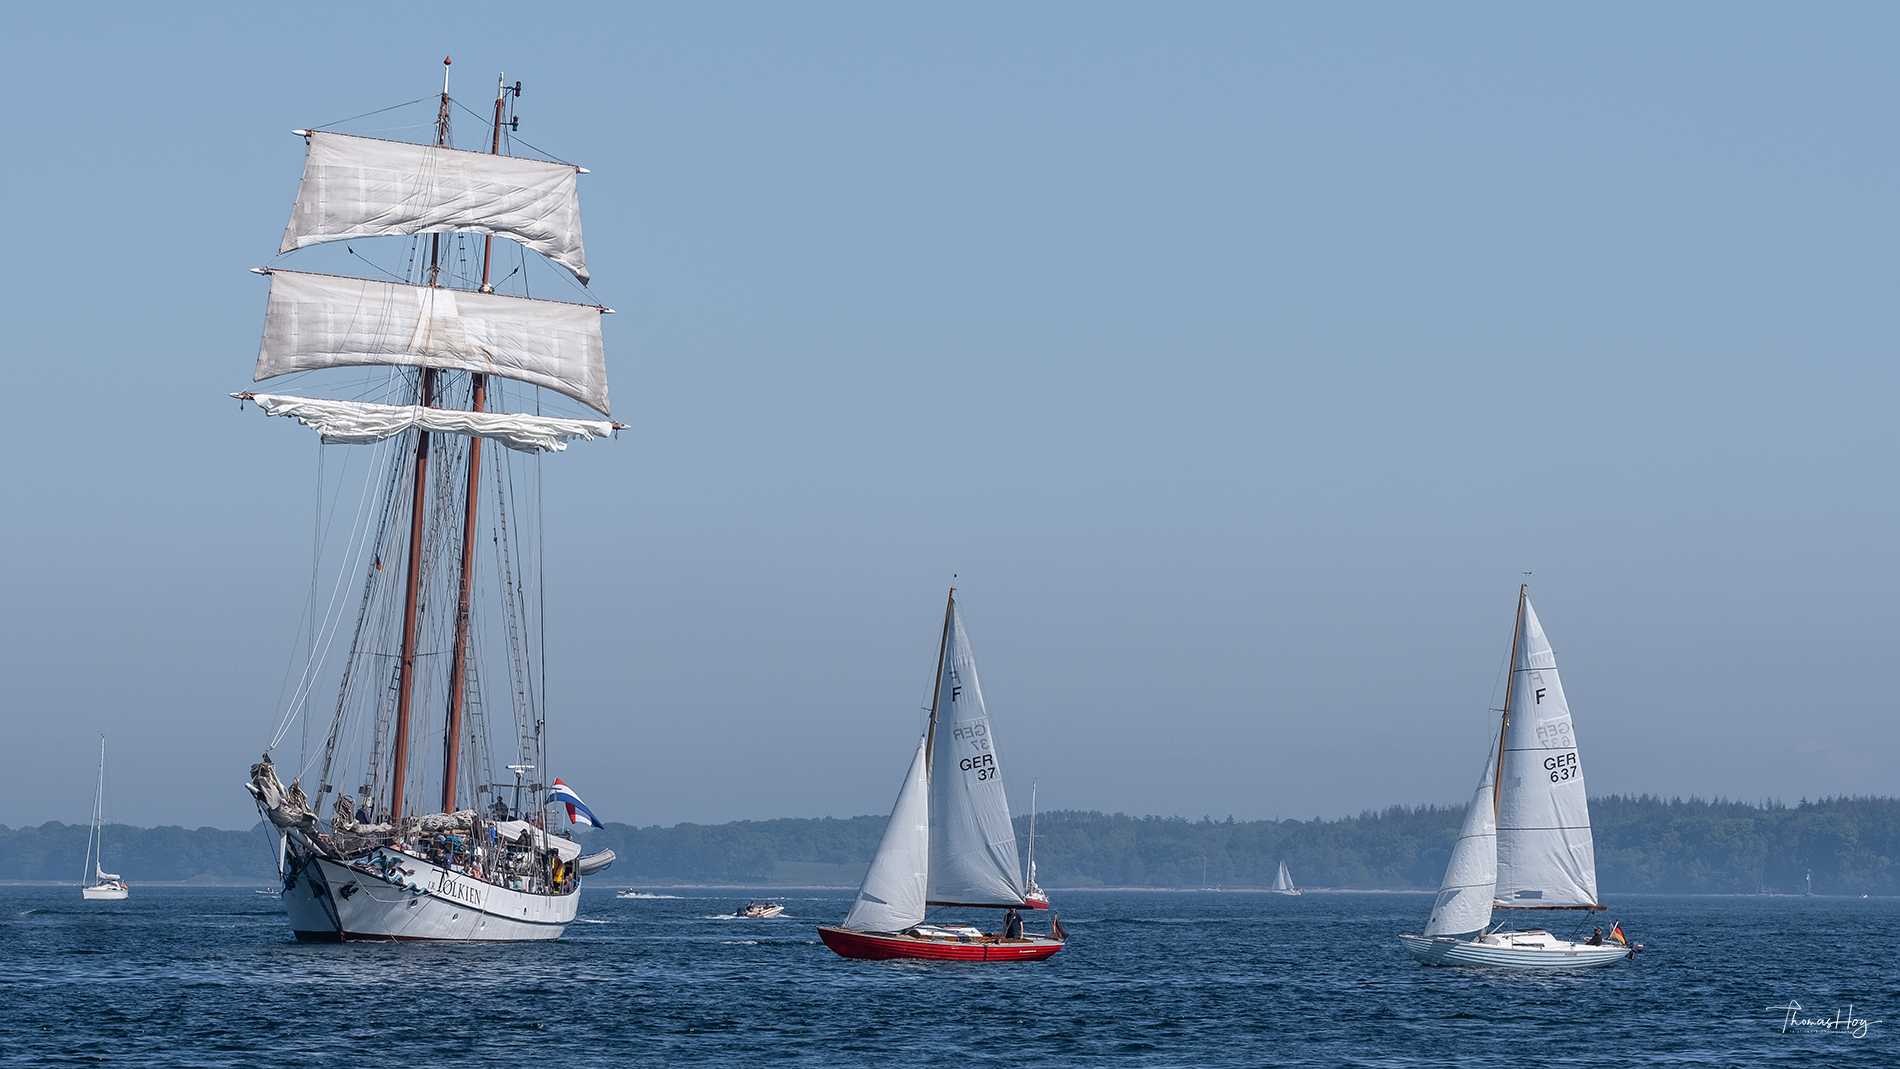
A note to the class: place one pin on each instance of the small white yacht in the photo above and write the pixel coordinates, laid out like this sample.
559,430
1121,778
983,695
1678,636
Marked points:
98,884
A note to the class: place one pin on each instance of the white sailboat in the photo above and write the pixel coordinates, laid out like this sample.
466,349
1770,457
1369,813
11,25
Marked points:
474,861
949,841
1036,897
1525,843
1283,883
98,884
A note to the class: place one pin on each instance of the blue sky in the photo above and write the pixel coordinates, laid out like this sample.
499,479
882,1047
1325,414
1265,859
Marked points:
1239,359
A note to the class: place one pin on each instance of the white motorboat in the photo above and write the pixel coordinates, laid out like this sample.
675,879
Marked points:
97,884
429,846
1525,843
758,910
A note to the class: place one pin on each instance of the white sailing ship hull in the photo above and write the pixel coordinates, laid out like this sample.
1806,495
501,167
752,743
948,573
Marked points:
1513,951
331,901
104,893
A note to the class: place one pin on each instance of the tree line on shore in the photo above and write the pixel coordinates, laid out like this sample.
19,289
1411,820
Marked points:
1644,844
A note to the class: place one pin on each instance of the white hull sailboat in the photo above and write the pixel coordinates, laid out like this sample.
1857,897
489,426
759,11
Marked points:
98,885
1283,883
949,841
1525,843
476,861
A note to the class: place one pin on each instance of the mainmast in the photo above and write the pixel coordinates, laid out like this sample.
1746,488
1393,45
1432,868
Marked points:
411,595
936,685
1510,681
458,664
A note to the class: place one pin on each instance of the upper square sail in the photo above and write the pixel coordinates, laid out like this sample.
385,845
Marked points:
322,321
358,187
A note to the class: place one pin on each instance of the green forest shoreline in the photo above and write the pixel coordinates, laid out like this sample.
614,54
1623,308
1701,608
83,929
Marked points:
1644,844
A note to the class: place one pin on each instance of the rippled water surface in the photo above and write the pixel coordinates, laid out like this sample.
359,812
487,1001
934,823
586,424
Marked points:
211,977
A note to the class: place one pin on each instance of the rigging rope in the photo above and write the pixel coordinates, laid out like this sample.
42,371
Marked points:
332,619
378,111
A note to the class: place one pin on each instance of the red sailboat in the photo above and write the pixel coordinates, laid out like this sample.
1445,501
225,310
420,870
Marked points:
949,841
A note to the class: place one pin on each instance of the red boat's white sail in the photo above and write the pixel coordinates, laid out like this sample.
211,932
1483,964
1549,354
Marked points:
972,842
892,897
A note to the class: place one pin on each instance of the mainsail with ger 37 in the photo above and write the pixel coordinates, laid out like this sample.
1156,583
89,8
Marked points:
949,841
400,842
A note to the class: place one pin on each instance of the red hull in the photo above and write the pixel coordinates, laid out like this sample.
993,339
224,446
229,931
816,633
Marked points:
870,947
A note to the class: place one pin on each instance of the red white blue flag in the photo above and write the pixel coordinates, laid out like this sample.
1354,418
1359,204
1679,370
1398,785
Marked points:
577,811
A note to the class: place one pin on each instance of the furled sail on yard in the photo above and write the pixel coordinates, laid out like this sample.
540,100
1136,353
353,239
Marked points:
892,897
972,843
363,422
1546,858
1463,904
322,321
357,187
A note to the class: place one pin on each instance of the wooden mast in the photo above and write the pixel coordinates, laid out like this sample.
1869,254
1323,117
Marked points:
936,686
458,664
1510,684
425,396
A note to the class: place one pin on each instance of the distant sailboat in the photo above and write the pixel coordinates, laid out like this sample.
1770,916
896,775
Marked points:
1037,897
949,841
97,883
1283,883
1526,842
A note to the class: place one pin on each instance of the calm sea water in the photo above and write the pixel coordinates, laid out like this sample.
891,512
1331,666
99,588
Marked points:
211,977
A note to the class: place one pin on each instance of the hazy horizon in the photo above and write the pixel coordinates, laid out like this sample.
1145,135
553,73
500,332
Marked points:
1239,361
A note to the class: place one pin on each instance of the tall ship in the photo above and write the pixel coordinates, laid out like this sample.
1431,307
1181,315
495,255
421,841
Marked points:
949,842
1525,845
406,832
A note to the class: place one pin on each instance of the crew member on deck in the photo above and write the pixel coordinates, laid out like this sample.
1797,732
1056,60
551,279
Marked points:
1596,937
1013,925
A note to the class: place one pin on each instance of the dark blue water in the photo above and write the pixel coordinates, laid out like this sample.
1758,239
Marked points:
210,977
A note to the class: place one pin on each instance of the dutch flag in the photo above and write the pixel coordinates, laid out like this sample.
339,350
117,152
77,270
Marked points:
577,810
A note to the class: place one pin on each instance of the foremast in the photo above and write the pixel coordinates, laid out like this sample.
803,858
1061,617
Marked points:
412,590
458,664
